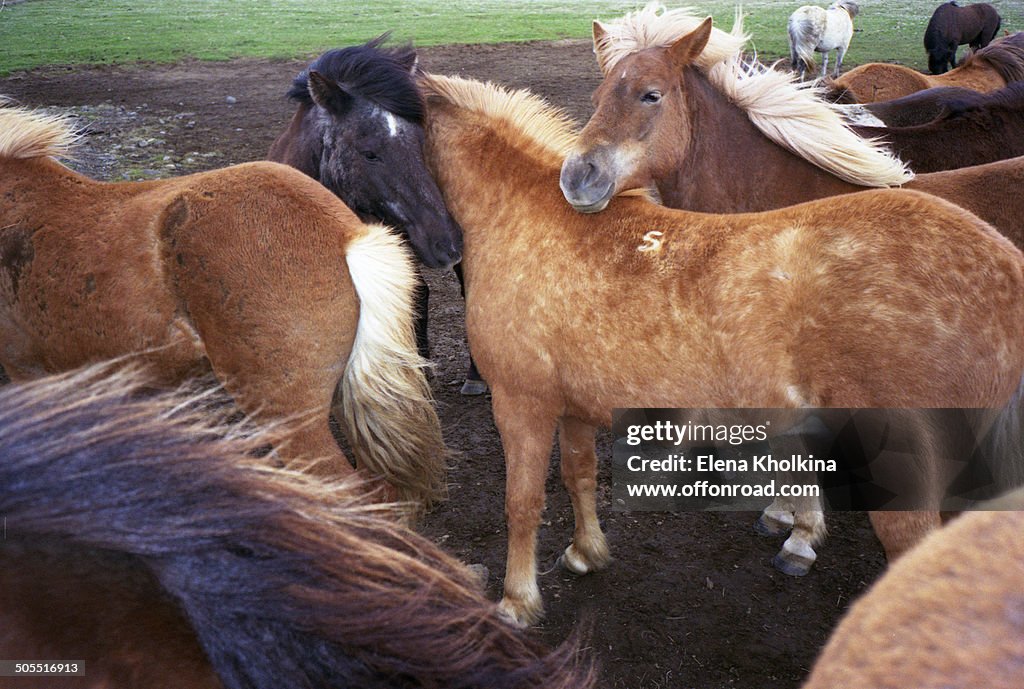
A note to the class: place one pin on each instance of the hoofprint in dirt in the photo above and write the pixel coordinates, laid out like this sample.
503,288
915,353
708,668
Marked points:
691,599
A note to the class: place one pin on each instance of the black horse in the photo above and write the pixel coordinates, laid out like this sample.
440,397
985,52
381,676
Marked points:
952,25
358,131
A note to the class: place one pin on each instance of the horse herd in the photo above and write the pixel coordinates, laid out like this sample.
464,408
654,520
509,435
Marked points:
779,278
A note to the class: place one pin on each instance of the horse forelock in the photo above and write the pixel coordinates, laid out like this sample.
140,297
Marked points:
654,26
28,133
527,113
252,552
1005,56
381,75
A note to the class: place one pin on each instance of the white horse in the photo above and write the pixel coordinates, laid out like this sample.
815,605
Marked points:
812,29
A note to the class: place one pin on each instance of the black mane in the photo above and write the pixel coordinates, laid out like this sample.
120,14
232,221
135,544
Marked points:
381,75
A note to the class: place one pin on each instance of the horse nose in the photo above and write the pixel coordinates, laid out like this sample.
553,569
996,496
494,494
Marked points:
448,251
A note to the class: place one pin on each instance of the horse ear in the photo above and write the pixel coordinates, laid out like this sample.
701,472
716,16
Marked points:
684,51
410,60
599,32
328,94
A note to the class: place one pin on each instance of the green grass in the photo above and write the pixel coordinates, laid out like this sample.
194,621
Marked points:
46,32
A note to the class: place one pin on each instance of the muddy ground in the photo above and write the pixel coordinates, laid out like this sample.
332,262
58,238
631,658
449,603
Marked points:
691,599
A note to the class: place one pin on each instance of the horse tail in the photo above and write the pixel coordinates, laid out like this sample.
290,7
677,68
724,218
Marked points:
801,41
285,581
387,410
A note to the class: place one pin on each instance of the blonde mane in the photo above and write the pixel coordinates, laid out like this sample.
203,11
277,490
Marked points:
549,127
28,133
793,116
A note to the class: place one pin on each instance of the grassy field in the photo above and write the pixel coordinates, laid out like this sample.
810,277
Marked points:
42,32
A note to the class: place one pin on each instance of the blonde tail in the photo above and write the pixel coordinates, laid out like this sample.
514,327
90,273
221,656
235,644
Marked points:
387,411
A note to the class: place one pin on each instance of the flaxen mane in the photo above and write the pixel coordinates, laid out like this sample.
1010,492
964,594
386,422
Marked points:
30,134
1005,56
527,114
790,115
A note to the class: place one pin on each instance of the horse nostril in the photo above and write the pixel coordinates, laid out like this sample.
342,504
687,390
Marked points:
590,175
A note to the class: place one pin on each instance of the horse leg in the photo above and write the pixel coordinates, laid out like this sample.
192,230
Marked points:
589,549
776,519
797,553
474,384
526,434
824,64
900,531
840,53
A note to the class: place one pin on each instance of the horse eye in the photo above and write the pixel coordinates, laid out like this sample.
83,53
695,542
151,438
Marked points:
651,97
371,156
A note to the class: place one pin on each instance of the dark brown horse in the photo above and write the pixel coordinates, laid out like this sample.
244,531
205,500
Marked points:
920,107
255,272
358,130
707,133
881,299
949,614
952,26
999,63
142,539
984,129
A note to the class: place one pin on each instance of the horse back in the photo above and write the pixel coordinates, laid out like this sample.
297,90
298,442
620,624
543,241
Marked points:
989,191
879,81
946,614
685,309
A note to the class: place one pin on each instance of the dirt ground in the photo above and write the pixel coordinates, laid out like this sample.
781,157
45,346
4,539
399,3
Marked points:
691,599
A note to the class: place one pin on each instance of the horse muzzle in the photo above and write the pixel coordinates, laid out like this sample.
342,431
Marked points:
585,184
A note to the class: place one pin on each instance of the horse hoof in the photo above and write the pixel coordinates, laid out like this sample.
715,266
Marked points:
572,564
520,616
768,526
473,387
793,565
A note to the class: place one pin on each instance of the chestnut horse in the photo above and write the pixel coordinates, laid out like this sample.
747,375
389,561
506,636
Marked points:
999,63
144,540
254,271
982,130
952,25
358,130
706,133
882,299
949,614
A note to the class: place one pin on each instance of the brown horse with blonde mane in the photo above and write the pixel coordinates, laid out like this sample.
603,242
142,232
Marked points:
255,272
881,299
706,132
948,614
143,539
999,63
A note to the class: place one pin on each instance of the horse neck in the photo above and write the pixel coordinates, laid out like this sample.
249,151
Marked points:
504,193
730,166
299,145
